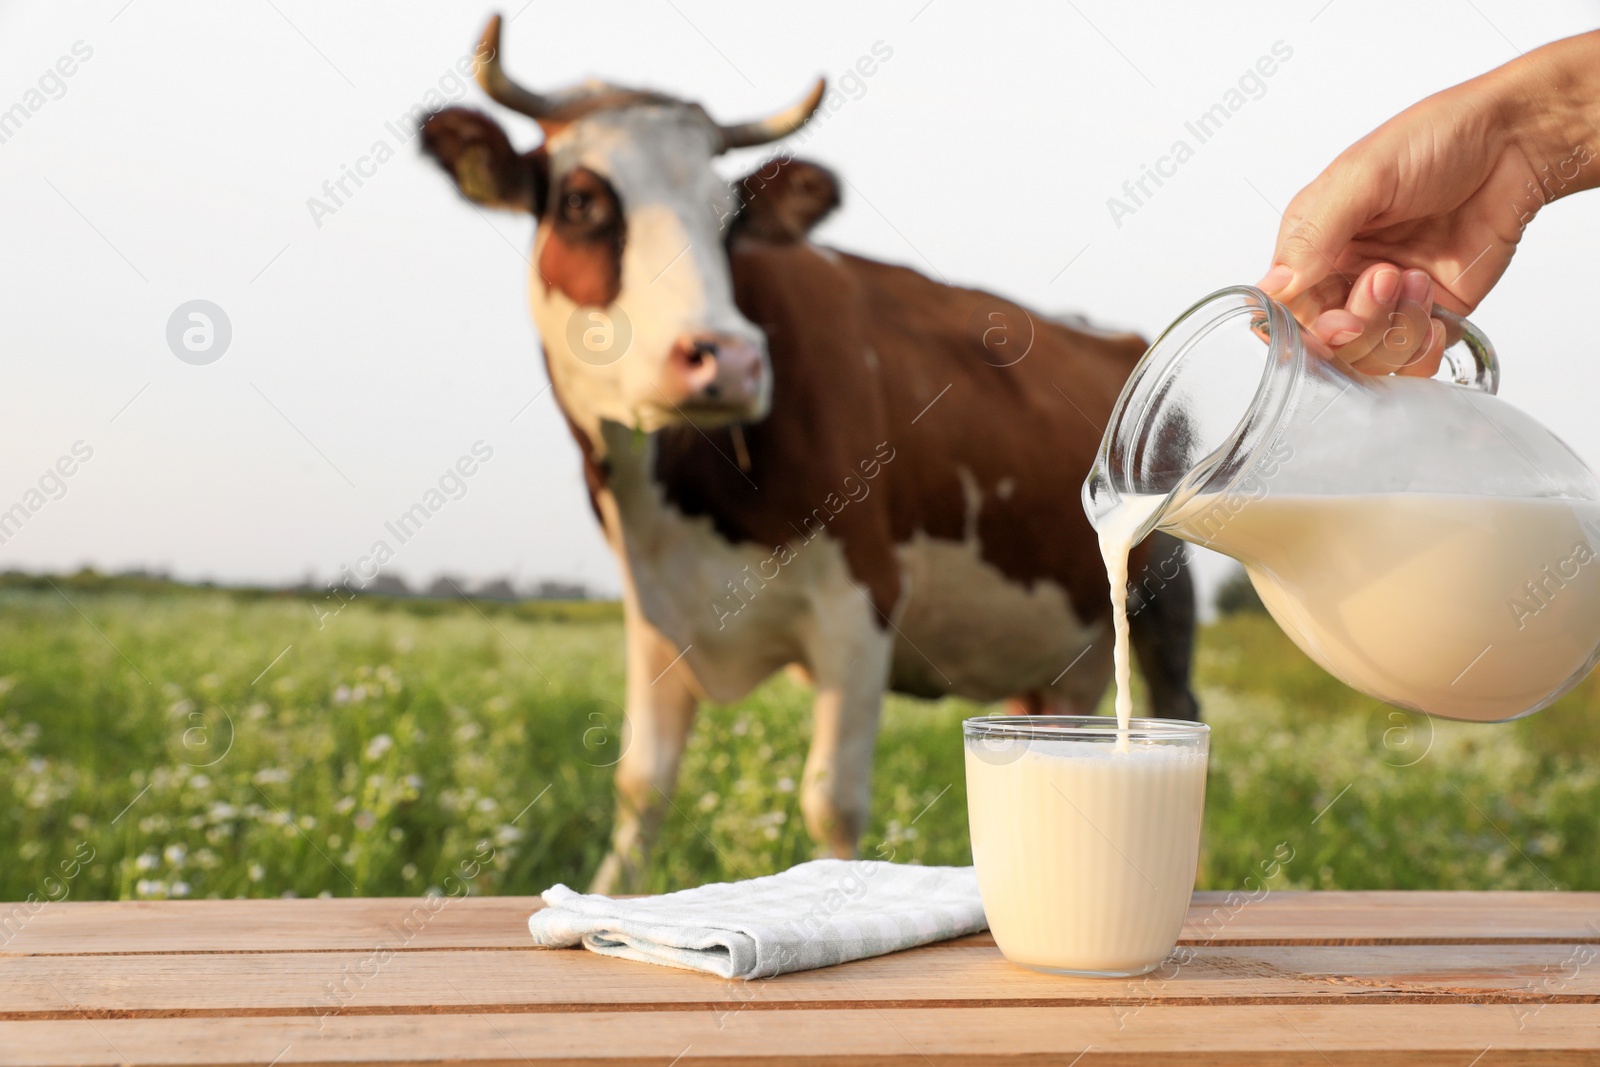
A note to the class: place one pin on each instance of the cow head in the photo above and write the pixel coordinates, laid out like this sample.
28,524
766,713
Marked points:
631,287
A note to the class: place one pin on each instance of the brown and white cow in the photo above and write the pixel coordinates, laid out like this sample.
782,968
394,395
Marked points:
803,457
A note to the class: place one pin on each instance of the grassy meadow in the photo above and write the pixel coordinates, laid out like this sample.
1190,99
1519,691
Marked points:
167,742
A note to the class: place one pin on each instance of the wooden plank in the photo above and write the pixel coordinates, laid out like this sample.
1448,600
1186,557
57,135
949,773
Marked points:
1453,1035
402,923
1393,917
410,924
949,976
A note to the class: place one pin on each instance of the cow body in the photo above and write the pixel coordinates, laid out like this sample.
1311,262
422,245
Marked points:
806,458
968,545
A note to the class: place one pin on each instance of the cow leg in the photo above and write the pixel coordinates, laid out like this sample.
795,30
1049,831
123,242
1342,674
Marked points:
1161,627
850,668
661,704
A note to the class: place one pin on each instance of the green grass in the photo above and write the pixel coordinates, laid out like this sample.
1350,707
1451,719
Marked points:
143,727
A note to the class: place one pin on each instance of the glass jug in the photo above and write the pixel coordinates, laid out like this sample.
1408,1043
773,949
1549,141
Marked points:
1421,539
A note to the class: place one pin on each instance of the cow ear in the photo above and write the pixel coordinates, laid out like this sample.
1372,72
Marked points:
783,200
476,152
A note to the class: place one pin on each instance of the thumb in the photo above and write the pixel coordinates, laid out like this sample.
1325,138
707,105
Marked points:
1319,223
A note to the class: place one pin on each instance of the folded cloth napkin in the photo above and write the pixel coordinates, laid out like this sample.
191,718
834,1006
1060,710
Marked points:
812,915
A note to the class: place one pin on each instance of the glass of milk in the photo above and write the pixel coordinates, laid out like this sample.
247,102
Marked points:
1085,837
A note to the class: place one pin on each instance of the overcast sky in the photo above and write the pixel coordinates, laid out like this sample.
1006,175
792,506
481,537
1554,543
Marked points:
373,346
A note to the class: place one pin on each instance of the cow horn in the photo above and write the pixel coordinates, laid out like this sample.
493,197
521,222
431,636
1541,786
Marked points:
785,122
493,78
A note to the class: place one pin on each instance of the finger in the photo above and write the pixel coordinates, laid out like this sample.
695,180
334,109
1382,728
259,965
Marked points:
1408,331
1319,223
1356,329
1337,329
1333,292
1426,362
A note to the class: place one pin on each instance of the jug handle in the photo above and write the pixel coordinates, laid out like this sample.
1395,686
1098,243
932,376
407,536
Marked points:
1468,355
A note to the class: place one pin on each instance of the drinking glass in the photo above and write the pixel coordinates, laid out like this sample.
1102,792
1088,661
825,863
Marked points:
1085,837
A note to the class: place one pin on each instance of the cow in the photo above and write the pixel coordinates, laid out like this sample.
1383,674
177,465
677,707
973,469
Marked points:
801,457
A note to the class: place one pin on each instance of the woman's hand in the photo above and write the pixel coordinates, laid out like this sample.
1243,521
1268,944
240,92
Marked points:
1428,208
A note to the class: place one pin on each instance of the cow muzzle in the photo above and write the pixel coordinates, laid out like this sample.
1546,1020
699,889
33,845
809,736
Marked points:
716,377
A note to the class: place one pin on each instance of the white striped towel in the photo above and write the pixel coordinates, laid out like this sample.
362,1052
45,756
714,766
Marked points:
814,914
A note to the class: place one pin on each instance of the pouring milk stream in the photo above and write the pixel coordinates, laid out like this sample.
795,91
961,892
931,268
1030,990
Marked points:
1421,539
1119,530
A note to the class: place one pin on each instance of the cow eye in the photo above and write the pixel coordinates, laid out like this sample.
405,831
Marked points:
583,208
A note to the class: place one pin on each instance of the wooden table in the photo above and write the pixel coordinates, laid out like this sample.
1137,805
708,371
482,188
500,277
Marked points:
1465,979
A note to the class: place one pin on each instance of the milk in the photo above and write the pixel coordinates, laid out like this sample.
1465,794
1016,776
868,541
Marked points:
1085,851
1116,532
1471,607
